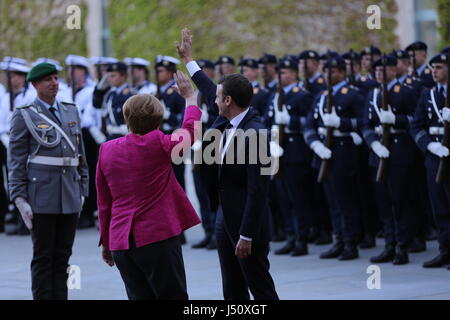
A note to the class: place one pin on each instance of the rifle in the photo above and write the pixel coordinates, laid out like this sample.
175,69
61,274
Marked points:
72,82
414,74
324,170
443,163
10,89
306,78
130,75
158,87
372,72
352,72
281,127
386,134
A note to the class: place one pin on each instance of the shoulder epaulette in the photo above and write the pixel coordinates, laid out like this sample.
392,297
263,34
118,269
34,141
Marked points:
24,106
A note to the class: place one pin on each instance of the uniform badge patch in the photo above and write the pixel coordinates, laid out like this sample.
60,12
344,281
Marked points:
169,91
344,90
319,80
396,88
427,71
363,79
255,90
42,125
408,81
72,123
296,89
126,91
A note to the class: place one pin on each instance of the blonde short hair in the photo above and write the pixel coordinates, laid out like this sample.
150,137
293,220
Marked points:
143,113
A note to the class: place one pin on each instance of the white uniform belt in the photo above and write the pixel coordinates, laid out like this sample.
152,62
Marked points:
379,130
117,129
55,161
336,133
436,131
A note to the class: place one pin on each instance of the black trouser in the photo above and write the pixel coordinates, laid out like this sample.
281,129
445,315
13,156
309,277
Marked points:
154,271
53,236
91,150
208,215
240,275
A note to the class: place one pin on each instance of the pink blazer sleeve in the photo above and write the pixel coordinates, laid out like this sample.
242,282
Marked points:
104,203
186,134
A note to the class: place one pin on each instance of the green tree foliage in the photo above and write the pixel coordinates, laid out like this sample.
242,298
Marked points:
33,29
246,27
444,21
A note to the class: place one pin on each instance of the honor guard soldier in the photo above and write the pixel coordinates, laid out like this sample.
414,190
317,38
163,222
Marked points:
368,56
431,117
354,77
48,178
394,192
340,186
100,65
323,58
420,69
310,71
249,69
425,223
109,95
139,75
77,69
403,71
369,216
268,71
224,66
173,103
18,93
296,175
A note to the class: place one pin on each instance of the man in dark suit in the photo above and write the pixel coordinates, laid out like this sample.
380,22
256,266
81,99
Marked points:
239,191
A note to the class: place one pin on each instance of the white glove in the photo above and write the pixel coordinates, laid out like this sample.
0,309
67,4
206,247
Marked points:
357,140
25,211
276,150
123,129
331,119
197,145
5,140
380,150
166,114
82,200
103,84
387,117
438,149
98,136
446,114
205,115
282,117
320,149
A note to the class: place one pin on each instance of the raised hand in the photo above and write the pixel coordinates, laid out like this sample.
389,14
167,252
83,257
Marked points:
184,49
184,88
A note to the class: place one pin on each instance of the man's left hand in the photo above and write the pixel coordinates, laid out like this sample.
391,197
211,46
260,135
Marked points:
243,249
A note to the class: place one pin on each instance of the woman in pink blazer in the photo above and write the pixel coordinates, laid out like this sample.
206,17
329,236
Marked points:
142,209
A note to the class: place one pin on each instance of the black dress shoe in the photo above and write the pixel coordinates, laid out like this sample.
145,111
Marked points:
212,245
387,255
439,261
334,252
287,248
202,243
325,237
368,242
401,257
417,246
300,249
349,253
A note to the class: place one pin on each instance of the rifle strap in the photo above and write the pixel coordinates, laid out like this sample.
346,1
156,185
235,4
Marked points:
436,109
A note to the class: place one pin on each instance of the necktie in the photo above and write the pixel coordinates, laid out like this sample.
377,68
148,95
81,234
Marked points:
442,92
53,111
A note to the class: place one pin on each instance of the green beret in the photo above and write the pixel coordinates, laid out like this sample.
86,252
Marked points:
41,70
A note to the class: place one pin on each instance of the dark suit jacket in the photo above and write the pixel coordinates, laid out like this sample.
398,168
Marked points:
240,189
